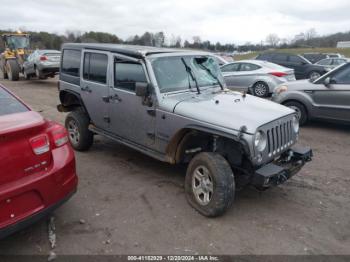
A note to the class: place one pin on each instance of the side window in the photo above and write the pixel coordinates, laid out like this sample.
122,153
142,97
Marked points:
126,74
71,62
342,76
295,59
230,68
248,67
95,67
280,57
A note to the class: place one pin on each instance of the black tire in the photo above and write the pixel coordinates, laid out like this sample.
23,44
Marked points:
3,73
301,111
80,137
13,70
261,89
222,180
313,75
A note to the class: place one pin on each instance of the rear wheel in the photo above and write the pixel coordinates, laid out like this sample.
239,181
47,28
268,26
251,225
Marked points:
13,70
300,110
314,75
209,184
260,89
80,137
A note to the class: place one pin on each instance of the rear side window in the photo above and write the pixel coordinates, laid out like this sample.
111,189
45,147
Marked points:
248,67
126,74
280,57
230,68
9,104
71,62
295,59
95,67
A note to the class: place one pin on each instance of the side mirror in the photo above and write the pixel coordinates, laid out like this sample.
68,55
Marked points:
328,81
141,89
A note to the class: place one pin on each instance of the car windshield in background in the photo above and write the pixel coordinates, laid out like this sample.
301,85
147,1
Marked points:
172,76
9,104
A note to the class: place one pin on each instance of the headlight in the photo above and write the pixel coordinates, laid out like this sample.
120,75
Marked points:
260,141
281,89
295,123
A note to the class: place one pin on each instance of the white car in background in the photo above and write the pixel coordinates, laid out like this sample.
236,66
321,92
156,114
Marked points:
260,78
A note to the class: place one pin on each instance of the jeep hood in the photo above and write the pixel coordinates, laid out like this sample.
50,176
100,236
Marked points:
230,110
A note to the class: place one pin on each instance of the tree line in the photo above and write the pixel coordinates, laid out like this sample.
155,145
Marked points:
45,40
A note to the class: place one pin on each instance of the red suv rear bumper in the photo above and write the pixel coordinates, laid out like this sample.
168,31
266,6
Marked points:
25,201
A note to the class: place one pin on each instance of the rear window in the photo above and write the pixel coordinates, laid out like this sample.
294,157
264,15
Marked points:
71,62
9,104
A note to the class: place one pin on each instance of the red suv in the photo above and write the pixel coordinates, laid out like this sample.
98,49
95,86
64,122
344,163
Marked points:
37,165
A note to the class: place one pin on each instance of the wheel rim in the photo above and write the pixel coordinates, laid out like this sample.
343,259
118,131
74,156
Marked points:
297,110
314,75
73,131
202,185
260,89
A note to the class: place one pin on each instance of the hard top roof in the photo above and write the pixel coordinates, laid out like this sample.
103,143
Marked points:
130,50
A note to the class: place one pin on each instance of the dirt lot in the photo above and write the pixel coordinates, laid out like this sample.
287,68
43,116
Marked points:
130,203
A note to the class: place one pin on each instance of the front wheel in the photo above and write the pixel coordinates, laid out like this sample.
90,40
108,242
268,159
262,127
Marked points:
300,110
209,184
261,89
80,137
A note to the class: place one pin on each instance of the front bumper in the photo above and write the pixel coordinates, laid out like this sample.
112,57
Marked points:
279,171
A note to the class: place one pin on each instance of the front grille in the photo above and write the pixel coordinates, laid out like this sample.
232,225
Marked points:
279,137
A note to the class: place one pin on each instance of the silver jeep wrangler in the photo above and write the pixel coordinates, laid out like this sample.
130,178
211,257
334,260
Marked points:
173,105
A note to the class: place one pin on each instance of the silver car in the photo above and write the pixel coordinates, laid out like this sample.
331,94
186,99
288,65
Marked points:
257,77
331,63
326,98
42,64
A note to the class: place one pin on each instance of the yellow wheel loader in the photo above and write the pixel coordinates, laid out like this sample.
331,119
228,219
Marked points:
16,51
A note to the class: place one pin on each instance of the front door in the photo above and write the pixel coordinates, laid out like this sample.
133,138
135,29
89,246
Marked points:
94,86
333,101
131,118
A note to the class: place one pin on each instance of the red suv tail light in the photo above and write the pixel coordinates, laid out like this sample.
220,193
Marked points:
59,135
43,58
40,144
278,74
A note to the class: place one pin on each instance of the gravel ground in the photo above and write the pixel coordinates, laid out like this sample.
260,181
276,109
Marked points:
128,203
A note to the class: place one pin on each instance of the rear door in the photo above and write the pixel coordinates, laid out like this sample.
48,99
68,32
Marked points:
94,86
333,102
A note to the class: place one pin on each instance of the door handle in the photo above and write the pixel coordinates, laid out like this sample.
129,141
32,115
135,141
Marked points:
114,97
86,89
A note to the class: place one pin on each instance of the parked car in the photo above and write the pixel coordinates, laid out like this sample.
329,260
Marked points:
220,60
326,98
37,165
331,63
303,69
173,106
256,77
42,64
315,57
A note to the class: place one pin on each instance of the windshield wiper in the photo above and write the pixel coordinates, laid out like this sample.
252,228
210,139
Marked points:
189,72
214,76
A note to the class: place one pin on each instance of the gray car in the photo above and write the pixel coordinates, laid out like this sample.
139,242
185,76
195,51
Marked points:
42,64
326,98
331,63
172,105
256,77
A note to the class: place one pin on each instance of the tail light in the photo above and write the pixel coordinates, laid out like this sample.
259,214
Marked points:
40,144
43,58
59,135
278,74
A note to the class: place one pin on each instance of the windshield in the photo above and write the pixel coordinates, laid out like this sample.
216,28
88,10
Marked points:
171,73
16,42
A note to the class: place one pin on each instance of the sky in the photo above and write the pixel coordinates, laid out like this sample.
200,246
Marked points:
227,21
